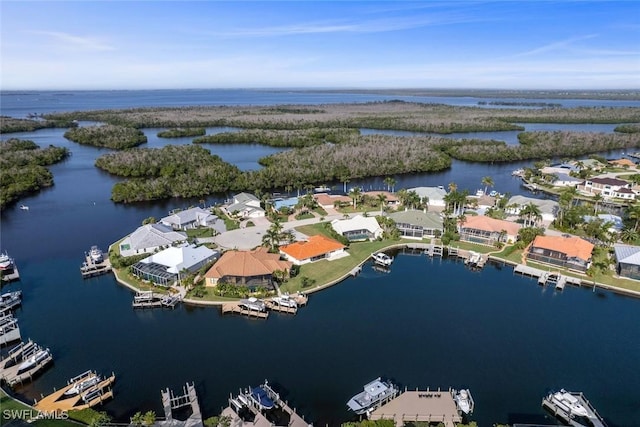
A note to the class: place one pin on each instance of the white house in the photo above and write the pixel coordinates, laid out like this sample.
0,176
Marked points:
434,194
548,208
150,237
564,180
192,218
357,228
165,267
608,188
245,205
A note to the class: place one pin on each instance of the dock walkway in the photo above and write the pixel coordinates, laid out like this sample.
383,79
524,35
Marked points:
57,402
563,413
171,402
429,406
233,307
90,268
10,366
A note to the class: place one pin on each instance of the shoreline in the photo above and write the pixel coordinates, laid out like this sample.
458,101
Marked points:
358,266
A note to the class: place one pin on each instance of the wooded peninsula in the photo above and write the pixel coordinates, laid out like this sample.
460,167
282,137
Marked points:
327,145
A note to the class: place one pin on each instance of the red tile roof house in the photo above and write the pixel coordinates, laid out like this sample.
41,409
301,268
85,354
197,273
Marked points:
571,252
247,268
314,249
485,230
608,187
328,200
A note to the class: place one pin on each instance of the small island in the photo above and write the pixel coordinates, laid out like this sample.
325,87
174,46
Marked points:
109,136
181,132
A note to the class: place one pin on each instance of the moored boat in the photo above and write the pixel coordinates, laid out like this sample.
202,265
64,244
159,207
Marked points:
381,258
96,254
10,300
24,207
569,403
464,401
34,359
373,395
260,396
285,301
83,385
253,304
6,262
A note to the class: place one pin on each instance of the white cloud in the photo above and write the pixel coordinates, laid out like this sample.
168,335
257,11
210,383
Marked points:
559,45
66,41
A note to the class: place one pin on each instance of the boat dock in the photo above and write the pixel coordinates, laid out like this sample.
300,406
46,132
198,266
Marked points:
171,402
284,413
93,396
543,276
430,406
9,329
234,307
272,305
12,369
90,268
150,299
10,300
12,275
563,414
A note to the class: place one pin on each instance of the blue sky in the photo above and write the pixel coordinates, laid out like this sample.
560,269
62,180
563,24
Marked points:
329,44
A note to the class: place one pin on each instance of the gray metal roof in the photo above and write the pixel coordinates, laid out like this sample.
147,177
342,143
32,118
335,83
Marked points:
152,235
627,254
545,205
428,220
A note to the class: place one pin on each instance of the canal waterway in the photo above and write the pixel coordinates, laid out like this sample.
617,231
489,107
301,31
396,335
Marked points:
426,323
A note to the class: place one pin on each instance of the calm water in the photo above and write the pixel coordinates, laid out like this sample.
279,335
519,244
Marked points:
427,323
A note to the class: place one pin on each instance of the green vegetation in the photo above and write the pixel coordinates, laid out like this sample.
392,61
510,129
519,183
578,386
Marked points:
22,163
628,128
370,423
181,132
10,124
110,136
281,138
172,171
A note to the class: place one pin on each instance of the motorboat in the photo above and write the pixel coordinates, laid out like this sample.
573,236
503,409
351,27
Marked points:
253,304
10,299
372,395
91,395
285,301
34,359
6,262
569,403
382,259
260,396
464,401
24,207
82,385
96,255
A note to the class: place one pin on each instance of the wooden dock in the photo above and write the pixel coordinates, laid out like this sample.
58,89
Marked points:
10,365
272,305
9,329
57,402
189,398
13,275
150,299
233,307
90,268
430,406
543,276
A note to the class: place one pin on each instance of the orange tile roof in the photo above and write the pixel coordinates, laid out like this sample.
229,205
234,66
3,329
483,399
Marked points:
390,196
258,262
571,246
315,246
485,223
325,199
622,162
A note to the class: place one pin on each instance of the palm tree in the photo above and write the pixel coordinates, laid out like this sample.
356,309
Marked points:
453,187
344,179
271,239
596,199
487,181
629,235
390,182
355,193
381,199
532,212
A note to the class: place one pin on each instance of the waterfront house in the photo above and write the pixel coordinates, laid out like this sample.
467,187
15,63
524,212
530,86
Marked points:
607,188
247,268
358,228
416,224
627,260
192,218
615,221
569,252
624,163
149,238
435,195
548,208
165,267
563,168
564,180
315,248
487,231
245,205
331,200
390,198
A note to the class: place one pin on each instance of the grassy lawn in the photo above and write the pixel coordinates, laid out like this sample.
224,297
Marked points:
7,403
306,215
320,211
473,247
200,232
132,280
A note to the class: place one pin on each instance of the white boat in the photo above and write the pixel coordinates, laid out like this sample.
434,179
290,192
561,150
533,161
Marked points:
372,396
6,262
285,301
381,258
10,299
34,359
464,401
96,255
24,207
568,403
83,385
253,304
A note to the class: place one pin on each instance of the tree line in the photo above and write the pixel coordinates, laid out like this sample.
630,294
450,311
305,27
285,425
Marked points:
280,138
23,168
110,136
182,132
10,124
